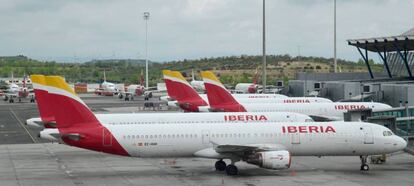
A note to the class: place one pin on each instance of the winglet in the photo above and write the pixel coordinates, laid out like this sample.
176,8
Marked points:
218,96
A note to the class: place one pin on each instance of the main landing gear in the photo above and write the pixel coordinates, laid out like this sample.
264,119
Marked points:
364,165
220,165
230,169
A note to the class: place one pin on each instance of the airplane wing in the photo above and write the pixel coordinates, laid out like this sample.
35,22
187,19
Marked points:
321,118
247,148
231,150
11,95
151,88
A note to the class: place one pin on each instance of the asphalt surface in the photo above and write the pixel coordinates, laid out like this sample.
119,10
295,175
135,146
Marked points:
28,160
14,115
58,164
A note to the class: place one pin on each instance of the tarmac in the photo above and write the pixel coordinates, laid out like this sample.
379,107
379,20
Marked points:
28,160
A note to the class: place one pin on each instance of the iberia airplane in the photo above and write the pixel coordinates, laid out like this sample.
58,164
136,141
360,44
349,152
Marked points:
189,100
268,146
221,100
47,118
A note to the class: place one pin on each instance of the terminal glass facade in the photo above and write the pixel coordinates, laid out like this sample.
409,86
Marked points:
404,123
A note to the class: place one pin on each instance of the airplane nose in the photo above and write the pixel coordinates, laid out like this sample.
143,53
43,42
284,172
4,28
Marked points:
401,143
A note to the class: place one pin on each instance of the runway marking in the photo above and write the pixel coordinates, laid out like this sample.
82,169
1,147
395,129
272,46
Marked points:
16,176
22,125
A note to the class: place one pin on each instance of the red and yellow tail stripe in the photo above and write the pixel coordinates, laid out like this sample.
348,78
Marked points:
57,85
209,77
175,76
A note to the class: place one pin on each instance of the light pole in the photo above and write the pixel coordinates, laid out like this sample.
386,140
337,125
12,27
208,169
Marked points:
264,47
335,62
146,18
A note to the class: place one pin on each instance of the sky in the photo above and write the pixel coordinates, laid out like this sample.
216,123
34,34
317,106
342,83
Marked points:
80,30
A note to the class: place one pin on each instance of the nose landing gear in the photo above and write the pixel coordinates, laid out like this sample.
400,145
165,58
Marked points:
364,165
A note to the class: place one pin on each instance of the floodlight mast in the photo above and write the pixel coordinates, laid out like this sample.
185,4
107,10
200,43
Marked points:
335,61
146,18
264,47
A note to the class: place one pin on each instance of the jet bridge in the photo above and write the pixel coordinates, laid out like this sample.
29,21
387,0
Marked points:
396,53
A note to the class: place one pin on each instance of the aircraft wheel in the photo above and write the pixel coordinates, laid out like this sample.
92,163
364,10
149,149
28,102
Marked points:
231,170
364,167
11,101
220,165
20,100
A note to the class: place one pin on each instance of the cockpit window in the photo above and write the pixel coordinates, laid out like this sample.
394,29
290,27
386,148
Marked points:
387,133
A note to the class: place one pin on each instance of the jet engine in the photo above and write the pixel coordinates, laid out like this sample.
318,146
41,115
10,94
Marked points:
50,134
270,159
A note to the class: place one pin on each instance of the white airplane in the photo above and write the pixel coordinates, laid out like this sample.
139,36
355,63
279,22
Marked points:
175,77
197,85
248,87
106,88
268,146
221,100
133,90
19,92
189,100
48,120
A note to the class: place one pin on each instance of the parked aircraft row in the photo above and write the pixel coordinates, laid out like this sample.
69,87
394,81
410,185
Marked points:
17,92
266,139
218,99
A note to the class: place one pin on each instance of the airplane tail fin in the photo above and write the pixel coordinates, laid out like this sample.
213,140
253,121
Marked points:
218,96
142,79
188,99
42,100
76,123
171,90
69,109
256,76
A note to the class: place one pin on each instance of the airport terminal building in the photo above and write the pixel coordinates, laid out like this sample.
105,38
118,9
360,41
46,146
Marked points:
394,86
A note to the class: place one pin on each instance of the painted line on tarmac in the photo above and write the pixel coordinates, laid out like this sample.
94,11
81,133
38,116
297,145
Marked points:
22,125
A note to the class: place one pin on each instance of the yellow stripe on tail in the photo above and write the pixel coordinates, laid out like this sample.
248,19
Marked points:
178,75
38,79
210,75
60,83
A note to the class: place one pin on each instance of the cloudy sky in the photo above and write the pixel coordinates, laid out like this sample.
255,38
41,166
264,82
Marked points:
178,29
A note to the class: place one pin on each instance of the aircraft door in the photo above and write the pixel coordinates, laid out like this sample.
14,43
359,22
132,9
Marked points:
295,138
205,137
106,138
368,136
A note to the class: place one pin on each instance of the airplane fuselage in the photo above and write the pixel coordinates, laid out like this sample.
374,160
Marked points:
300,139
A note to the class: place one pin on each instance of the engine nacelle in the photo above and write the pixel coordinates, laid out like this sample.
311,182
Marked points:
50,134
172,104
270,159
34,122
